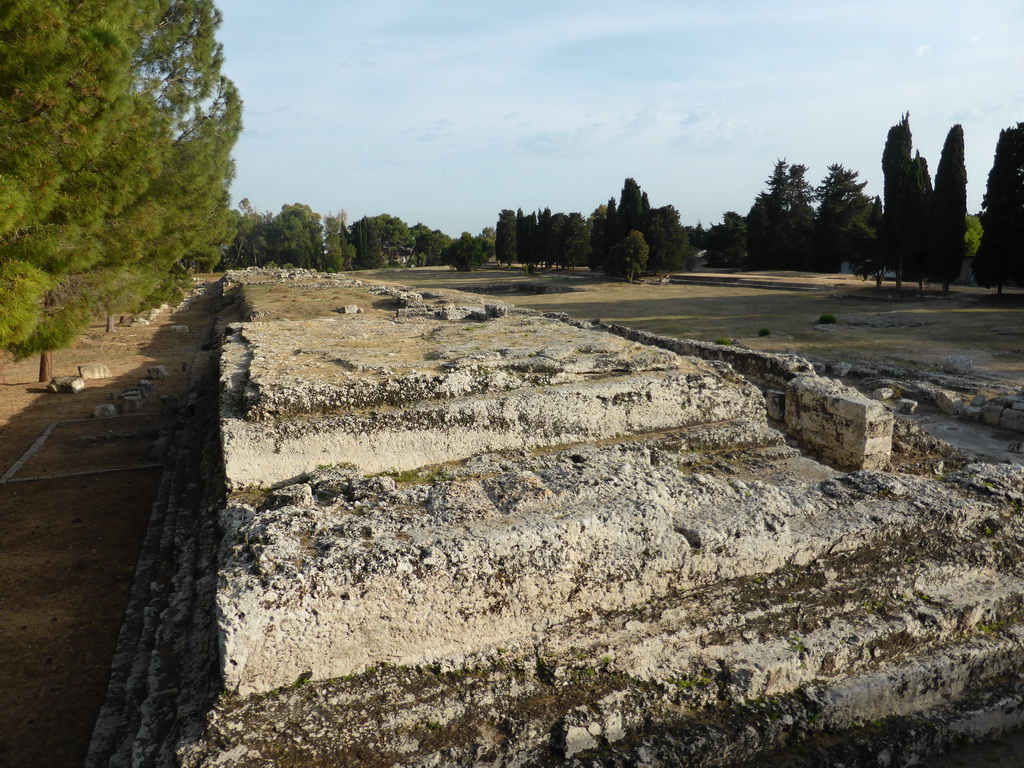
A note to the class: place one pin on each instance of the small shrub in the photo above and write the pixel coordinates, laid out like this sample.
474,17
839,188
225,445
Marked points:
826,319
764,332
724,342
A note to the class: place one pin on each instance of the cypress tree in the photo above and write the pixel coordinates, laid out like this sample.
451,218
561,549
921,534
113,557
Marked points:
898,198
947,214
1000,258
598,235
505,237
842,212
920,195
611,230
631,210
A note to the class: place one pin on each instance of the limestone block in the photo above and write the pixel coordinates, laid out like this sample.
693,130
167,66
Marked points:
841,369
132,404
157,372
978,401
883,393
133,392
145,385
1016,447
991,414
971,412
94,371
350,309
1012,419
179,329
1018,405
104,411
904,405
957,364
838,424
66,385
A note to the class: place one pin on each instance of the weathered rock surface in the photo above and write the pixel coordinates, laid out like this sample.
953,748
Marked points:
414,391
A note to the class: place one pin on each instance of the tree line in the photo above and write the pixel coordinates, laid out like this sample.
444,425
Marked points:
918,230
623,238
298,236
117,128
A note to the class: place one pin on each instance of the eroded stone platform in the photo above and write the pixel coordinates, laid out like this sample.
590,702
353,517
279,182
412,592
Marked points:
412,390
539,544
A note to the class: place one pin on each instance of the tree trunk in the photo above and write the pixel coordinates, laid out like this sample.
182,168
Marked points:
878,281
110,323
45,366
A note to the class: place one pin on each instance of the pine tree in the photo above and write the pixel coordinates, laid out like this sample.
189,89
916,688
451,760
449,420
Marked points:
121,129
666,238
947,213
69,128
628,257
1000,256
843,209
781,220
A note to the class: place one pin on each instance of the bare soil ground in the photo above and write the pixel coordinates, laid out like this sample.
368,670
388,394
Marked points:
72,518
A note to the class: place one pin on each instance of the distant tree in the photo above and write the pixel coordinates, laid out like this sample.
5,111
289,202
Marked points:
869,257
367,241
842,214
298,237
394,236
546,242
726,243
612,229
505,238
598,223
916,264
666,238
901,198
527,237
780,224
972,236
947,212
628,257
575,240
468,252
630,210
1000,258
248,246
429,245
695,235
338,251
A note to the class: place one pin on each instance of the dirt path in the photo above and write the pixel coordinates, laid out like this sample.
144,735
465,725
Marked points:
72,517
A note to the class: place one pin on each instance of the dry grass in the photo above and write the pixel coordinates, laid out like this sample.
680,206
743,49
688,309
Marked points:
967,322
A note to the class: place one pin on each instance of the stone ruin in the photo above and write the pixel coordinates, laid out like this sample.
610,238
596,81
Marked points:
464,535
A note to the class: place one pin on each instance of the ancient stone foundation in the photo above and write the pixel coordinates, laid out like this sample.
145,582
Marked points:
507,539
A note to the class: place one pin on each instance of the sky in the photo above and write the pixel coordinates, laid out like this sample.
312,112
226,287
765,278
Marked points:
447,112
